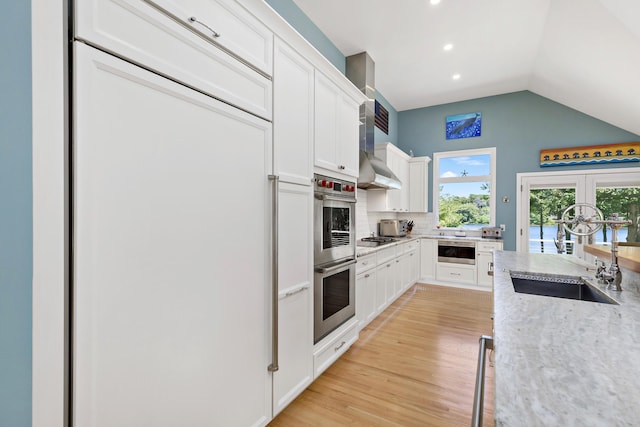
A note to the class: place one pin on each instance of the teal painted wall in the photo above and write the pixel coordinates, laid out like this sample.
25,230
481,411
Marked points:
15,214
519,125
310,31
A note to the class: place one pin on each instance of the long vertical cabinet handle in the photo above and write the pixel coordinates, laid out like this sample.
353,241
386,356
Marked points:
275,184
486,342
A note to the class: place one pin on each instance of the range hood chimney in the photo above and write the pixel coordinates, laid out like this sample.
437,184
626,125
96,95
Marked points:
374,173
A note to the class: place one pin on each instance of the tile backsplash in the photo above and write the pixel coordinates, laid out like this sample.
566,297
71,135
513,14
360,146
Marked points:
367,222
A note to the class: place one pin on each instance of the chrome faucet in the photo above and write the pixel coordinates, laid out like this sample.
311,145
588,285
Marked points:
613,276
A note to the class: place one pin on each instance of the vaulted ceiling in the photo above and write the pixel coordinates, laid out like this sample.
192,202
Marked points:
584,54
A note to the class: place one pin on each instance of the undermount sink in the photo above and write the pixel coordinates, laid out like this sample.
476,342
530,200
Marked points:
558,286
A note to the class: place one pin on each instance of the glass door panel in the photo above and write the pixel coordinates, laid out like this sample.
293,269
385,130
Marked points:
545,207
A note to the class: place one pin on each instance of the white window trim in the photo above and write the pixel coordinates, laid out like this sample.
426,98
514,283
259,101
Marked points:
491,151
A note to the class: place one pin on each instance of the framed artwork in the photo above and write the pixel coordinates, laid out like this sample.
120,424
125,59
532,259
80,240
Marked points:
607,153
464,125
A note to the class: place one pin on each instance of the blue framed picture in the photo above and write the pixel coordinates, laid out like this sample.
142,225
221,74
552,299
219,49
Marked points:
464,125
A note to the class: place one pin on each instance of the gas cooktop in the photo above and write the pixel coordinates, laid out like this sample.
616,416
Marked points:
372,242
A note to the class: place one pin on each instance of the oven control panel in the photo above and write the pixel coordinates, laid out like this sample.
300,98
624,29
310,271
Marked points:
334,186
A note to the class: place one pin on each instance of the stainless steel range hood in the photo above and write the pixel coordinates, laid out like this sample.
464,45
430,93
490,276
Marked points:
374,173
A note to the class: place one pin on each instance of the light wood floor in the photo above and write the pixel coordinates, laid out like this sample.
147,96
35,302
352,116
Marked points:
414,365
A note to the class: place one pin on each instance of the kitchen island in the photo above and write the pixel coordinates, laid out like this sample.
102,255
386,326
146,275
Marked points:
563,362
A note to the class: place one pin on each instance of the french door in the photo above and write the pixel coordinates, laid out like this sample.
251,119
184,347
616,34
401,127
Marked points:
544,197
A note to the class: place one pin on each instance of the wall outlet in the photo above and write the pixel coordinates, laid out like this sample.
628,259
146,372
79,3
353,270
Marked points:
502,227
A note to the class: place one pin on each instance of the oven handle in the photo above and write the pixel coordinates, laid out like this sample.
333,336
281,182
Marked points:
336,199
333,268
275,188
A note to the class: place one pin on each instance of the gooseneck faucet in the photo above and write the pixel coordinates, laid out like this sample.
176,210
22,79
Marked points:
611,276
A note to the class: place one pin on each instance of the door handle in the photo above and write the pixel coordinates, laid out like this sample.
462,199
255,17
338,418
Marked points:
275,188
486,342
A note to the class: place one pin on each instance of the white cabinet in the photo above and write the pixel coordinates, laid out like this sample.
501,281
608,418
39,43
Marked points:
226,24
366,297
336,129
419,184
159,41
428,258
334,346
456,273
166,312
292,116
295,294
384,282
484,257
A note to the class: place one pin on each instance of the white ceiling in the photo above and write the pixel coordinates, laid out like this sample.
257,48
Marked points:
584,54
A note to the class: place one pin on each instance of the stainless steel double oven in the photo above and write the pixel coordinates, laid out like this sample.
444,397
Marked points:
334,254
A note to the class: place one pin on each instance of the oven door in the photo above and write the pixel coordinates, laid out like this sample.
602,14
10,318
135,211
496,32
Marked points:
334,297
457,252
334,229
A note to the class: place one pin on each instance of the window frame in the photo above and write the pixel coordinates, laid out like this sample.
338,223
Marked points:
437,180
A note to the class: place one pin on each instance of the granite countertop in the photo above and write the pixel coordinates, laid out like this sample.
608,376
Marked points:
562,362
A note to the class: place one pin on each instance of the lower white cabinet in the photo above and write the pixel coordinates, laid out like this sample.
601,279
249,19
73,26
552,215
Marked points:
428,258
334,346
366,297
384,283
295,294
456,273
484,258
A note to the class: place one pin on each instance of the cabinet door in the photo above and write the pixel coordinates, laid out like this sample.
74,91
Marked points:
484,265
170,304
295,285
428,258
366,298
292,116
419,188
336,129
413,268
326,123
135,30
237,30
348,136
383,276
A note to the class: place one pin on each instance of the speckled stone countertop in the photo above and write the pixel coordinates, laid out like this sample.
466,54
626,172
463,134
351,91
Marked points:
562,362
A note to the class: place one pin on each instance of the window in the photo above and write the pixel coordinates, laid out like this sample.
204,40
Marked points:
463,188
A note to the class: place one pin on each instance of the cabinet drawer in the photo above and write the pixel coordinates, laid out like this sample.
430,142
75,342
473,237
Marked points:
238,31
386,254
333,349
365,263
488,246
141,33
410,246
457,273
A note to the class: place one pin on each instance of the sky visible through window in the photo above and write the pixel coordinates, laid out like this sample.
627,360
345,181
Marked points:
470,166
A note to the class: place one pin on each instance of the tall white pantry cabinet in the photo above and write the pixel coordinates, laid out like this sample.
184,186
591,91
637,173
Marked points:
183,112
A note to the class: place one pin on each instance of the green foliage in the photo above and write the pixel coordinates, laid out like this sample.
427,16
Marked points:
457,211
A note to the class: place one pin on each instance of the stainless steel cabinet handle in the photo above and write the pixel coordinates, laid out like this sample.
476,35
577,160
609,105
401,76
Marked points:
275,184
366,276
297,291
340,346
486,342
342,167
213,32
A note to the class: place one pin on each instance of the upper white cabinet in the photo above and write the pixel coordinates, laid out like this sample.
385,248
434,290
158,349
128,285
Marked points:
228,25
412,173
419,184
336,129
159,36
293,115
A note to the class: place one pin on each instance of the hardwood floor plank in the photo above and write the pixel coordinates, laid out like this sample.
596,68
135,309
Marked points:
414,365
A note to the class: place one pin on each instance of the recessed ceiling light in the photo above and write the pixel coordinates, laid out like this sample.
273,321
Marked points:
434,2
456,77
447,47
